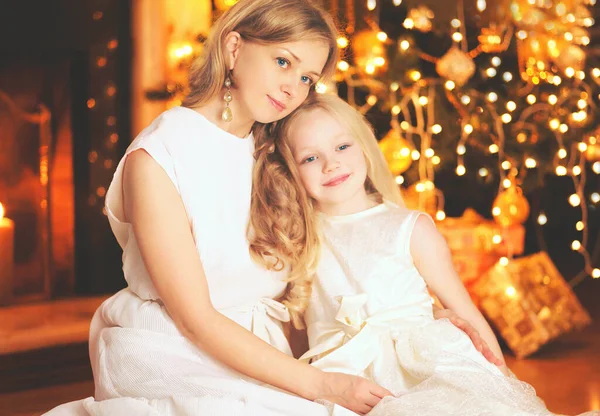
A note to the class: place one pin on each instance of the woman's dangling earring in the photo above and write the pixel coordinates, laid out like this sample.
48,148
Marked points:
227,115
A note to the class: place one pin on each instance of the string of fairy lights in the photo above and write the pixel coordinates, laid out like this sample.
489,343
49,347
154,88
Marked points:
550,39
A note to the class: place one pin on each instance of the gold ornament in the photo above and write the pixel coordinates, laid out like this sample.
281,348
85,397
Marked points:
456,66
223,5
369,52
421,17
592,153
397,152
510,207
422,196
491,39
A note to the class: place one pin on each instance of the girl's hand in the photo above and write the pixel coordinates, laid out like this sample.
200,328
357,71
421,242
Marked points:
355,393
471,332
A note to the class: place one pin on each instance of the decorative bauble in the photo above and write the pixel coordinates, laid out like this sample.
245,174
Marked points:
421,17
510,207
456,66
223,5
491,39
397,152
422,196
369,51
592,153
571,56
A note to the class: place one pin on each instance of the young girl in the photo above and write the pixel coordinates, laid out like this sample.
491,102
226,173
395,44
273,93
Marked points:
326,207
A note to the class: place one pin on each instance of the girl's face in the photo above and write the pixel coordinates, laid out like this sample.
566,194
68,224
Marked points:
331,163
271,81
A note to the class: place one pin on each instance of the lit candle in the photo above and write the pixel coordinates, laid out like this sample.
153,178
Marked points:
7,232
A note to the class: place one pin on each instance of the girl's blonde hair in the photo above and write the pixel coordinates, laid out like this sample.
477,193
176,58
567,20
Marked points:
283,231
264,22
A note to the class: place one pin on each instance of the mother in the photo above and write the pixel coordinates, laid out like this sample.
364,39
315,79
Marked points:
198,329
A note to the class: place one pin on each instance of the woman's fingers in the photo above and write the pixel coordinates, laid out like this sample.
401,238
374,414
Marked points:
380,392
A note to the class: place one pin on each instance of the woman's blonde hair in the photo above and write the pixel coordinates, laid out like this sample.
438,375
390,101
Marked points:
283,231
264,22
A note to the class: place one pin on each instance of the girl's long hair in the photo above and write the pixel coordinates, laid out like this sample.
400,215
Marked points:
264,22
283,231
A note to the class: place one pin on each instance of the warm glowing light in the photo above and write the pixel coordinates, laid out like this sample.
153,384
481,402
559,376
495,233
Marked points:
468,129
465,99
429,153
552,99
579,226
493,148
423,100
342,42
415,155
399,179
461,170
530,163
408,23
561,170
497,239
483,172
507,183
492,97
511,106
596,273
461,149
450,85
510,291
542,219
394,86
436,129
457,37
504,262
506,118
562,153
576,245
343,66
371,100
440,216
404,45
415,75
531,99
554,124
382,36
574,200
507,76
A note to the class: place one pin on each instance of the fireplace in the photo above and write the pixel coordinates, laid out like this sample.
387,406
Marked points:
64,124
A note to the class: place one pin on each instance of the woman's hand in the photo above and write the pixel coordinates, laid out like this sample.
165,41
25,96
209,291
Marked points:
355,393
472,333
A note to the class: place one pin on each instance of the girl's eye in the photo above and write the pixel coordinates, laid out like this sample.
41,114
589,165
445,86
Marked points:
282,62
309,159
344,147
307,80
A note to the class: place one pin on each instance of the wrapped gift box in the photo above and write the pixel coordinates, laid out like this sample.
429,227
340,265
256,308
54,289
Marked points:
529,303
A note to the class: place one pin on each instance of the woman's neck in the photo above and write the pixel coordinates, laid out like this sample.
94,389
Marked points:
239,126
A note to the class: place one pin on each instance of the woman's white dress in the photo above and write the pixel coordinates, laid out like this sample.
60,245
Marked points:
142,364
370,314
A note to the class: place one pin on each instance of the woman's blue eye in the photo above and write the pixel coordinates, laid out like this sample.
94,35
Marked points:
310,159
307,80
282,62
344,147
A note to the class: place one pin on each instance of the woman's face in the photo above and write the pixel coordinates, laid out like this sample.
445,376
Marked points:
271,81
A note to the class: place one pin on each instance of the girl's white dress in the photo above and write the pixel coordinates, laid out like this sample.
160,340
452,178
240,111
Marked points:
371,315
142,364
